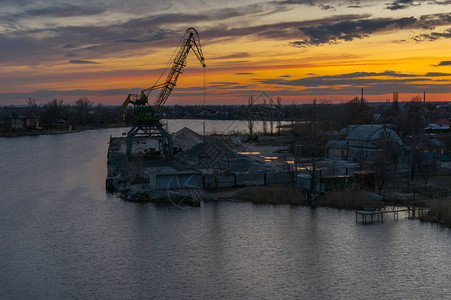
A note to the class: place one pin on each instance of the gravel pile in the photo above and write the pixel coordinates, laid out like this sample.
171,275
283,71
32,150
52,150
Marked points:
185,138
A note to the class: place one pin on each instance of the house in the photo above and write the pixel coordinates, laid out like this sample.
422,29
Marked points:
14,122
365,140
32,121
440,126
433,151
337,150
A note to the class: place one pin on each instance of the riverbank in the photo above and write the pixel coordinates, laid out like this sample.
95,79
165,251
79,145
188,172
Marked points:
37,132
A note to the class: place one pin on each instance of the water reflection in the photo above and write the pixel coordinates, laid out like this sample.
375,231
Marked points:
63,236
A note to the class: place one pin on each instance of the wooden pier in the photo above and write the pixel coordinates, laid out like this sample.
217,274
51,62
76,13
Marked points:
368,216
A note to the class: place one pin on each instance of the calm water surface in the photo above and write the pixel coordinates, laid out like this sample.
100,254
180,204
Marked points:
62,236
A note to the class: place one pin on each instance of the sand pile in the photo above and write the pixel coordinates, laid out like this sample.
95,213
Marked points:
185,138
217,156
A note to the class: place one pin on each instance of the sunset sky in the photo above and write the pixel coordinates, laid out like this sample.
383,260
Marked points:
296,49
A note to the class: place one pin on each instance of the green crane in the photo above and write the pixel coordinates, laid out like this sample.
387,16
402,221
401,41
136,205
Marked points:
147,117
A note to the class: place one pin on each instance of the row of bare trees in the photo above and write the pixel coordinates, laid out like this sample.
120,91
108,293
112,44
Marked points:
81,112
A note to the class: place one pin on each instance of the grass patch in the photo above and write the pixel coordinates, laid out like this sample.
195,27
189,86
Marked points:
439,213
350,199
276,196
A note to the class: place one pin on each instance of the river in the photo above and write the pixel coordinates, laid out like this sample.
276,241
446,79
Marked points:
63,237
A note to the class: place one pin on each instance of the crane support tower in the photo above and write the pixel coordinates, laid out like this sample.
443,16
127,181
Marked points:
147,118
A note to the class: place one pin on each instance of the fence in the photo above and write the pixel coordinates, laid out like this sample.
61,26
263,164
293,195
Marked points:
419,189
222,181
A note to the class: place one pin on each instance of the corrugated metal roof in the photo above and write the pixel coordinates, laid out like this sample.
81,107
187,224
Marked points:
364,136
363,132
334,144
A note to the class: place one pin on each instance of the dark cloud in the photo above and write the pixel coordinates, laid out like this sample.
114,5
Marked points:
216,15
437,74
235,55
114,38
348,30
444,63
244,73
70,55
62,10
402,4
334,32
326,7
277,31
69,46
82,62
433,36
151,37
223,82
371,81
302,2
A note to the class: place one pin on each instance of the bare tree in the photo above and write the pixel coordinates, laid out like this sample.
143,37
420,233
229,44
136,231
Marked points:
54,110
357,111
264,116
384,163
312,141
271,116
82,107
32,108
279,114
250,122
427,167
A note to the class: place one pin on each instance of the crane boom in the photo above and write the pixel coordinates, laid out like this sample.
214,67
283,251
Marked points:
146,113
190,41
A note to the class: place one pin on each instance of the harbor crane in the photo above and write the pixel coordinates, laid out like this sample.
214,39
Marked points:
147,118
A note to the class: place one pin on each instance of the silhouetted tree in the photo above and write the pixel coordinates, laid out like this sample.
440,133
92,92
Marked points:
250,122
357,111
82,107
309,134
384,163
54,110
32,108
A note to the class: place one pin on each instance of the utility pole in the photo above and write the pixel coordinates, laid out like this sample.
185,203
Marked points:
294,154
412,174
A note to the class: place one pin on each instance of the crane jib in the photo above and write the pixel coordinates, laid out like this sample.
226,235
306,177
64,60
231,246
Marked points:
147,113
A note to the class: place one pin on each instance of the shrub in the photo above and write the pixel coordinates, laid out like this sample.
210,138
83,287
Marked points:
439,213
350,199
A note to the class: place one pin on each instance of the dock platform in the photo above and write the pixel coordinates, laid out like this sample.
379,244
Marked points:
369,216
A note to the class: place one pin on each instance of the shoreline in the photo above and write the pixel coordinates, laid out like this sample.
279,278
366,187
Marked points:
275,195
55,132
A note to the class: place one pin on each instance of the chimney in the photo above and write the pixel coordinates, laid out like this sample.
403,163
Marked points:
424,96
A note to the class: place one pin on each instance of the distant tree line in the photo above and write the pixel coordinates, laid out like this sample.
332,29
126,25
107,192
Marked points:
82,112
406,116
